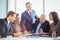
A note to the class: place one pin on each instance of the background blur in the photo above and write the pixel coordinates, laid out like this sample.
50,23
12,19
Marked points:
40,6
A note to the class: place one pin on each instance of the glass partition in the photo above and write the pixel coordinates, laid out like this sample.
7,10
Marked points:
3,8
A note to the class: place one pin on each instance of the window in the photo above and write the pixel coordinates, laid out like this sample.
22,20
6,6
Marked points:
11,5
37,5
3,8
52,5
40,6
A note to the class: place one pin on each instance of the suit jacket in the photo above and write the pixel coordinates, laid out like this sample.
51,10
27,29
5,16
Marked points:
26,22
3,28
55,28
45,26
35,25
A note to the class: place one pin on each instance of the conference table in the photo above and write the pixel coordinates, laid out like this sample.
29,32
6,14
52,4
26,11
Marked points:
26,37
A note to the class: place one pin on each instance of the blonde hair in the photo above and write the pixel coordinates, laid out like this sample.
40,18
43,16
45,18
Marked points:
43,15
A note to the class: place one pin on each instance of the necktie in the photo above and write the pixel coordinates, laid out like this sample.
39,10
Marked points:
30,15
8,26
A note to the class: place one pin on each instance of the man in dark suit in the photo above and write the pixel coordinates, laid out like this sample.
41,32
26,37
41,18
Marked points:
42,25
6,24
28,18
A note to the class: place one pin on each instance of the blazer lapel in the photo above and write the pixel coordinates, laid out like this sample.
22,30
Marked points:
27,16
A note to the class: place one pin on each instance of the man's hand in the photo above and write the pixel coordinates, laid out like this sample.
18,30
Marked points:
37,33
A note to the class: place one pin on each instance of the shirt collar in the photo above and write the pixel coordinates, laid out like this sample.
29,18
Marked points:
8,21
29,11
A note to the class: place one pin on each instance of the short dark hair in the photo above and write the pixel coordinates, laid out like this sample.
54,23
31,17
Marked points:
28,3
10,13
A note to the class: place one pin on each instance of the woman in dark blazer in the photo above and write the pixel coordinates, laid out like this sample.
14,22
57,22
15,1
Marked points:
55,25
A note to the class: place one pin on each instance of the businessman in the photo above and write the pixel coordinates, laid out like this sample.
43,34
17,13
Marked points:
28,18
6,24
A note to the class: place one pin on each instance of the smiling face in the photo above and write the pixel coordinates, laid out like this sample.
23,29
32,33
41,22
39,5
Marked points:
18,18
42,19
12,18
50,17
28,6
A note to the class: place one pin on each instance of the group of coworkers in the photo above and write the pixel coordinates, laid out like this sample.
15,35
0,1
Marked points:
29,23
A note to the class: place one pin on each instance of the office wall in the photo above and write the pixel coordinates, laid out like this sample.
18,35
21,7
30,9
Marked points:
52,5
37,5
3,8
49,5
11,5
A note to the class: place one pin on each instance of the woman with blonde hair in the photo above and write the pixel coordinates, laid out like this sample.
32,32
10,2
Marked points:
16,26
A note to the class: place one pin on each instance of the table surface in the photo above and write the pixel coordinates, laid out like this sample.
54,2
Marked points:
25,37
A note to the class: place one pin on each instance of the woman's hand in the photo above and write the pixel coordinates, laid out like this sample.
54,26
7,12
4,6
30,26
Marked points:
18,34
26,32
